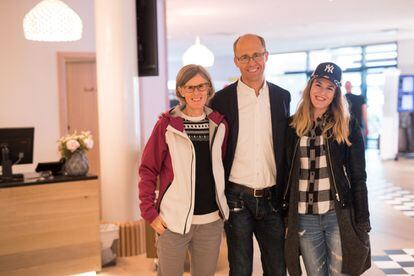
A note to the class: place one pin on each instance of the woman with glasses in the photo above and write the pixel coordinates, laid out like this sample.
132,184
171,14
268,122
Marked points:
185,152
326,193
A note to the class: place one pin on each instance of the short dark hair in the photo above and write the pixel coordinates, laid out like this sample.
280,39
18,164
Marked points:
262,41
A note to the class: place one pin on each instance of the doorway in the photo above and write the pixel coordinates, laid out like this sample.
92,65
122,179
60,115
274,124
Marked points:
78,99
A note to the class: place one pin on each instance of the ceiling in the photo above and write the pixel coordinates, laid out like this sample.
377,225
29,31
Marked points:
286,25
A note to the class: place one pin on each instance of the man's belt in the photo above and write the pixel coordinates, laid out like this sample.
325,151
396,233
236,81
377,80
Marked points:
266,192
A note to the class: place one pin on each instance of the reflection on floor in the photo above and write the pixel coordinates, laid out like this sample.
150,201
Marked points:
399,199
391,190
396,262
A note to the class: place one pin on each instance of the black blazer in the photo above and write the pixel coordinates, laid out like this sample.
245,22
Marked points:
225,102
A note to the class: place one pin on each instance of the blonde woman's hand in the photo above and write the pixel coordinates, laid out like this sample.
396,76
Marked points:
158,225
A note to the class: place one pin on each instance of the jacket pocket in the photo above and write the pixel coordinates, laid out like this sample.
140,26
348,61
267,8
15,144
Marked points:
355,243
362,235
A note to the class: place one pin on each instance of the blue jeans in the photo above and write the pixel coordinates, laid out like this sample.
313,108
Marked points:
254,215
320,244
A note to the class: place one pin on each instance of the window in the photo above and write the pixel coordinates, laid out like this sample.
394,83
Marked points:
346,57
294,83
363,66
282,63
384,55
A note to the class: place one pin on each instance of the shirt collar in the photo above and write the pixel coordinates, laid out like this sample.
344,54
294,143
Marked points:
244,88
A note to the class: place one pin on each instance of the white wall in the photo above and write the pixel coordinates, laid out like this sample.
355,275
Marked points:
222,72
29,88
153,90
406,56
28,75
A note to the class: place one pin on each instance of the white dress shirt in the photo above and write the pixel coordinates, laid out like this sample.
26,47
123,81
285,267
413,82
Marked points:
254,163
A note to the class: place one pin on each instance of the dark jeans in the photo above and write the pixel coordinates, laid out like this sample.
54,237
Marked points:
254,215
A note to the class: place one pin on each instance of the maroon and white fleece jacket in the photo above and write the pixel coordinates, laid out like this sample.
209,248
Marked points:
169,154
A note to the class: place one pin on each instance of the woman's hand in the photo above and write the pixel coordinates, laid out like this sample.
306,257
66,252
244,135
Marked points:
158,225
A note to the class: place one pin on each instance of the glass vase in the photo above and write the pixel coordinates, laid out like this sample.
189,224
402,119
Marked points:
77,164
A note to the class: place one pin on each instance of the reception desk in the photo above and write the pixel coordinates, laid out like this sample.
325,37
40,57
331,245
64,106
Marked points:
50,227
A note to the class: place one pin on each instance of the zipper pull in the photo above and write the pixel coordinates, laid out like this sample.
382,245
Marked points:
337,197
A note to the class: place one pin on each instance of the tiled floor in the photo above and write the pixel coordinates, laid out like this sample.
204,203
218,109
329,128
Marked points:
399,199
396,262
391,198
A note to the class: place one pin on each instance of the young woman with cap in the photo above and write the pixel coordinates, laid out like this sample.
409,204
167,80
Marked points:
185,152
326,194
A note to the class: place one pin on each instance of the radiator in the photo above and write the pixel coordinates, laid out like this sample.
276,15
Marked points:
131,238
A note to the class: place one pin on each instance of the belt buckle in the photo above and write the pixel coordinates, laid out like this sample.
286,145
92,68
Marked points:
254,193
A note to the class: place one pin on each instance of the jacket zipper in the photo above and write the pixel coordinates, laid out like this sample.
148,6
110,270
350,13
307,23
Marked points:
191,176
211,159
290,172
330,167
347,179
191,195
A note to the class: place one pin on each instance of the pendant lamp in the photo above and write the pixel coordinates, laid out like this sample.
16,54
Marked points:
52,20
198,54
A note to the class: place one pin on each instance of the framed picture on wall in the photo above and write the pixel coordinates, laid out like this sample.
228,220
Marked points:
406,93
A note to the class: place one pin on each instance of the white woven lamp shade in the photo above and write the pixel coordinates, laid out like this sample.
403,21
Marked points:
198,54
52,20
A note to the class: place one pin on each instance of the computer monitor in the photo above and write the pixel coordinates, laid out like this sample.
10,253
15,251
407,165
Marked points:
16,147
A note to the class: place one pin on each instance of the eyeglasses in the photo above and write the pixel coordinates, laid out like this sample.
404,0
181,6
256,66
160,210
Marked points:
202,87
256,57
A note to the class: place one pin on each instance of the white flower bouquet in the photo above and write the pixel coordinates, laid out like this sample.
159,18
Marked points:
70,143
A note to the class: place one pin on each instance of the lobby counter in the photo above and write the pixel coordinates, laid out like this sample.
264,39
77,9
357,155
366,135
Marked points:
50,226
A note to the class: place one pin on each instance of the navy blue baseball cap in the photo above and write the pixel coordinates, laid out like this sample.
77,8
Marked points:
330,71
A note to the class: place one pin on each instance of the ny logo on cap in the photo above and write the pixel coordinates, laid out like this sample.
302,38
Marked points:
329,68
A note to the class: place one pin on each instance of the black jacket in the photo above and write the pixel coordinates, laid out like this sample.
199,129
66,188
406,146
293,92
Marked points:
225,102
346,165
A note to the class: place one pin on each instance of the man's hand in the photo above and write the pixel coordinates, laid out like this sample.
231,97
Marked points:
158,225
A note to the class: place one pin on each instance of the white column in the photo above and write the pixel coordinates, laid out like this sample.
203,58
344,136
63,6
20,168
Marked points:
406,56
118,106
389,121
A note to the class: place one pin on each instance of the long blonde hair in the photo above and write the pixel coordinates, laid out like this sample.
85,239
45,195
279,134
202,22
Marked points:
338,121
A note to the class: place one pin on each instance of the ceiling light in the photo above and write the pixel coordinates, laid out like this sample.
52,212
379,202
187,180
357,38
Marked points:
52,20
392,31
198,54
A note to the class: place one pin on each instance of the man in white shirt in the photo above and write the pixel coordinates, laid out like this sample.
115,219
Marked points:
257,113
